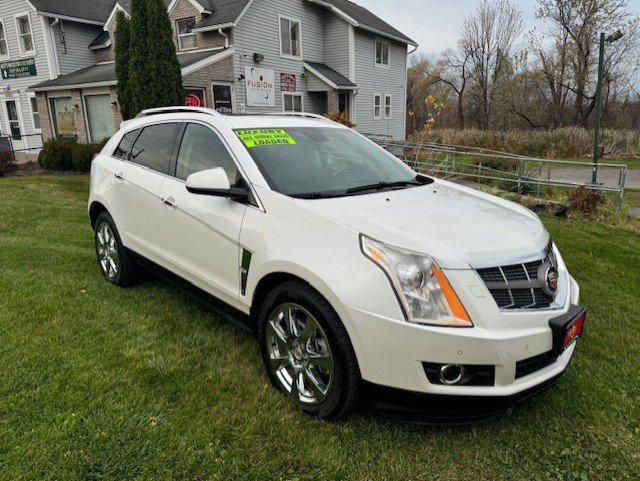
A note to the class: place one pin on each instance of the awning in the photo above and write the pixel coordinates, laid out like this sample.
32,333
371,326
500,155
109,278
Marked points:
329,76
104,74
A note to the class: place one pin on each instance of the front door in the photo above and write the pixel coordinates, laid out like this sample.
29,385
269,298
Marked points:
344,104
200,234
13,121
224,98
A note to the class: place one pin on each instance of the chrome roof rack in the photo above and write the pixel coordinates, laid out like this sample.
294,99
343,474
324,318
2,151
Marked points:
179,109
296,114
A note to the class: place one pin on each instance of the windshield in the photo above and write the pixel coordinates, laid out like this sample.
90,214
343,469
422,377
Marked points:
323,162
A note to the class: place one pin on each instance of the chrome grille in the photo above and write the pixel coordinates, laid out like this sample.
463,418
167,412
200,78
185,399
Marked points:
516,286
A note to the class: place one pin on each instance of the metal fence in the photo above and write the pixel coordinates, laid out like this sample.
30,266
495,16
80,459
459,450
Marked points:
519,173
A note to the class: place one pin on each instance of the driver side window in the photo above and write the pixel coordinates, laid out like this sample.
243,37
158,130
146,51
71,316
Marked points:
201,149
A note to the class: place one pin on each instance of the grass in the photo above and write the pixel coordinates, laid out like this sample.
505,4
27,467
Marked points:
100,383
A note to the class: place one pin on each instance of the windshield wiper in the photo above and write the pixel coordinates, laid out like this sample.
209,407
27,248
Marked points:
382,185
317,195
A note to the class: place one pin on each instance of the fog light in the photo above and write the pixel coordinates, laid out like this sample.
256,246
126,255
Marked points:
451,374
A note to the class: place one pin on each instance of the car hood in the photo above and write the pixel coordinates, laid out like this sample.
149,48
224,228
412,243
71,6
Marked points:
456,225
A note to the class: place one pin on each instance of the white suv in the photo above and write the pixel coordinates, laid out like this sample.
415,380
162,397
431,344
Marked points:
349,266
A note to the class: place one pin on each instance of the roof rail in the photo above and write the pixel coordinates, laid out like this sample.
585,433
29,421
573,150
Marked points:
297,114
178,109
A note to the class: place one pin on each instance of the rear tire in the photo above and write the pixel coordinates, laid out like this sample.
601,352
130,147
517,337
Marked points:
116,261
312,360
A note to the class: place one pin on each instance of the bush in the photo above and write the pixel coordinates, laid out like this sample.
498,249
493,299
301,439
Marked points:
586,200
83,154
341,119
57,154
68,155
7,162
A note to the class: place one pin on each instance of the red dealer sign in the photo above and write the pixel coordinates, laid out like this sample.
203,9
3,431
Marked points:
287,82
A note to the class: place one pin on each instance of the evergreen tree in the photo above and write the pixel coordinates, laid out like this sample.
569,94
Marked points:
122,40
165,77
138,59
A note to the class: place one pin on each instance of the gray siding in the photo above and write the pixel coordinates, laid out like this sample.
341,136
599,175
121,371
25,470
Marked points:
336,44
18,87
258,31
74,53
373,80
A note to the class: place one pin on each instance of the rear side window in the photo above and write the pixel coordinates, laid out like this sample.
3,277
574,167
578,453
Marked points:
127,141
201,149
154,146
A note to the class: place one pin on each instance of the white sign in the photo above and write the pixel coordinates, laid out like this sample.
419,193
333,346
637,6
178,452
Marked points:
261,87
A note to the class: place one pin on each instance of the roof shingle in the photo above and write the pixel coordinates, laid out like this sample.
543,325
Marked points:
330,74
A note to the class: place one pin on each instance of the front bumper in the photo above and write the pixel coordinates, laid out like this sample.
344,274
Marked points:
393,354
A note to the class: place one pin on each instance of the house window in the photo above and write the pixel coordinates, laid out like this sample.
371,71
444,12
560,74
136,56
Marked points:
99,117
63,116
187,39
290,37
4,49
377,106
382,53
387,106
292,102
35,115
23,27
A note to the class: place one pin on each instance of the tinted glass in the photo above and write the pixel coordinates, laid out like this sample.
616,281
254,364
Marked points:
299,161
201,149
125,144
153,147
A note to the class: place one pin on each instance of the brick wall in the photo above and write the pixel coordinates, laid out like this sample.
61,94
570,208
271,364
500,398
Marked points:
221,71
45,118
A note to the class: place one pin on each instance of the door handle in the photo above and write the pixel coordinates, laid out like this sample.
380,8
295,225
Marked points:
170,202
119,176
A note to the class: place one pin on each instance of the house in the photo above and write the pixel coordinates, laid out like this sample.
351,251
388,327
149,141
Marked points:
240,56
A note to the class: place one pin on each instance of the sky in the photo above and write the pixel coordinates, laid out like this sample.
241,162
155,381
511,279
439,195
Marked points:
435,24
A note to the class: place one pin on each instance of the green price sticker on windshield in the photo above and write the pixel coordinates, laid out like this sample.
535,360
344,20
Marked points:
260,137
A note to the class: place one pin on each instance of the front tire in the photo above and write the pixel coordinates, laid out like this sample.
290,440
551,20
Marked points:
115,260
307,352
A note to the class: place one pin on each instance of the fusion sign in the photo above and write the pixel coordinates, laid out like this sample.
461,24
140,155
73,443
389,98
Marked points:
260,86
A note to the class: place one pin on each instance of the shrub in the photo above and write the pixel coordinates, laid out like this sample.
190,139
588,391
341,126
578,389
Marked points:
82,155
57,154
68,155
586,200
7,162
341,119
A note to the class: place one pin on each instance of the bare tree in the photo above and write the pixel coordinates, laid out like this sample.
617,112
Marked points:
489,35
454,71
576,28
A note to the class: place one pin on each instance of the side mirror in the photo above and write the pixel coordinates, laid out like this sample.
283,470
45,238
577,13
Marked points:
214,182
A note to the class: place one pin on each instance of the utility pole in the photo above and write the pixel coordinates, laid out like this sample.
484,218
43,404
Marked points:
596,120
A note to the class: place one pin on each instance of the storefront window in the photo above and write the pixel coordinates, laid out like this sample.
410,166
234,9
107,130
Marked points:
99,117
64,120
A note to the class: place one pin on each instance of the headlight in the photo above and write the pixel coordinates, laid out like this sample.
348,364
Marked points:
425,295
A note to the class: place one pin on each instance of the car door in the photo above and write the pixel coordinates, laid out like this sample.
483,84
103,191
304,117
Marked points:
140,178
200,234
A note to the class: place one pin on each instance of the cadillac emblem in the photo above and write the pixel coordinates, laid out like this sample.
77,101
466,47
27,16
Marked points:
548,277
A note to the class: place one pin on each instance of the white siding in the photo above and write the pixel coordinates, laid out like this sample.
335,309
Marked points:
258,32
336,44
18,87
74,53
373,80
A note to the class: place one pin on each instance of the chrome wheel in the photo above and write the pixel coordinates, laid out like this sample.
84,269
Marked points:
299,354
107,249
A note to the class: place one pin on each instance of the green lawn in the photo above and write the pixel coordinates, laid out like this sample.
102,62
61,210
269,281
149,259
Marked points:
102,383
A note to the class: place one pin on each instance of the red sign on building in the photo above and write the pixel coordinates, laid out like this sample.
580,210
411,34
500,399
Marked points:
194,97
287,82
